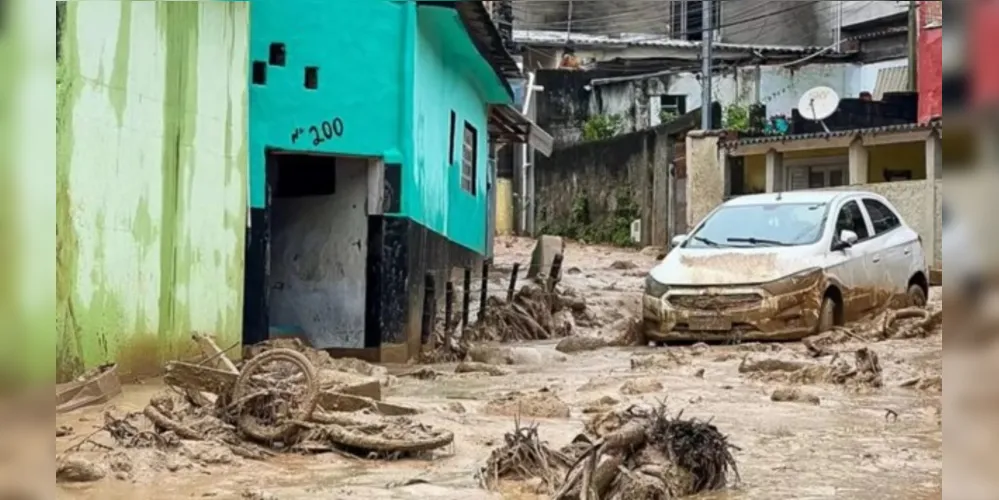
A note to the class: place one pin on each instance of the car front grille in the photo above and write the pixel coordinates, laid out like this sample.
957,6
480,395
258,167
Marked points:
716,302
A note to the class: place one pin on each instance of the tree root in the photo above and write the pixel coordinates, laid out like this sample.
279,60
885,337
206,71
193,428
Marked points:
652,455
522,457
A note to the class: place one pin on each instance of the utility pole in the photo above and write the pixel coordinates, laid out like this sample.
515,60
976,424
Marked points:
913,44
706,64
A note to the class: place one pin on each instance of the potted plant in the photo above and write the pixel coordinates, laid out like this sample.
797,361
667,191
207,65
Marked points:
736,120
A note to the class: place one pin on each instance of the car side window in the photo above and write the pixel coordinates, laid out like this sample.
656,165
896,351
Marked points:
882,218
850,218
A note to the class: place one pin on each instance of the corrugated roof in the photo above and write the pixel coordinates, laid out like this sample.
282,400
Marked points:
894,79
905,127
558,38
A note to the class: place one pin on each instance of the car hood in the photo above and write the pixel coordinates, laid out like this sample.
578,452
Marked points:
731,266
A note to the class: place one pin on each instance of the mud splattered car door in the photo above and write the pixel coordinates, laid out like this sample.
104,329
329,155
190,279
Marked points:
895,250
849,266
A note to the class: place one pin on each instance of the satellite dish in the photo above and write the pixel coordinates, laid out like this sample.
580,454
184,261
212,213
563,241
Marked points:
817,104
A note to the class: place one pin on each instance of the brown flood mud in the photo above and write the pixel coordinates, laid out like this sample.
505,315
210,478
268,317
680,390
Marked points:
852,414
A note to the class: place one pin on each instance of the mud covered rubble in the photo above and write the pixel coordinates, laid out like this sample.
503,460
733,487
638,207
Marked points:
904,323
863,371
639,453
265,411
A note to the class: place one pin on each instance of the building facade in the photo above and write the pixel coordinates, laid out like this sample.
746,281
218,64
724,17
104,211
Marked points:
930,60
369,165
151,180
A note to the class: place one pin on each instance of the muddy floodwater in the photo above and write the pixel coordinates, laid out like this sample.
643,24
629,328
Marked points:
845,442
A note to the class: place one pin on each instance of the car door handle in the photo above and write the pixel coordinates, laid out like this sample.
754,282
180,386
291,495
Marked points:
908,251
876,259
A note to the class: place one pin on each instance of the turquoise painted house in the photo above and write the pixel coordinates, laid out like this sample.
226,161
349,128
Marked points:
372,126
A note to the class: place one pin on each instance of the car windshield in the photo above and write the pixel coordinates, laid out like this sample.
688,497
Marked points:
772,224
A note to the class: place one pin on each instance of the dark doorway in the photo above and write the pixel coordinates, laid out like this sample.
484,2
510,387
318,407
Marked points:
307,251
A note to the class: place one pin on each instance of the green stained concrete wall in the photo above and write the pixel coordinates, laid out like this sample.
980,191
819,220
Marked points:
151,180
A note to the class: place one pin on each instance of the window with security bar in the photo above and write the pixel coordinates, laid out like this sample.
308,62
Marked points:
469,158
687,23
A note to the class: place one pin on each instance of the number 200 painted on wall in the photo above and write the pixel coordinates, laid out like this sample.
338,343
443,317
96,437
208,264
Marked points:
320,133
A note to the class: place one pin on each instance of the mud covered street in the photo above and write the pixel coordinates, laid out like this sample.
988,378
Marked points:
809,422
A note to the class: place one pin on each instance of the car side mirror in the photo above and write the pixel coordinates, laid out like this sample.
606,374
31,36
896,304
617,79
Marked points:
846,239
678,240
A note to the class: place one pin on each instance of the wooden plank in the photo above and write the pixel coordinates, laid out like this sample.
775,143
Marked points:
339,401
211,350
199,378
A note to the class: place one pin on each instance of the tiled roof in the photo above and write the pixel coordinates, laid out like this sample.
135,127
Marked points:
905,127
558,38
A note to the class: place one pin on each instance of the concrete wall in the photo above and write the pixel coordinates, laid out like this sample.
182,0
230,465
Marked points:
919,201
599,17
920,205
705,186
858,11
151,180
318,254
782,88
793,22
445,82
569,100
361,87
786,22
637,102
634,165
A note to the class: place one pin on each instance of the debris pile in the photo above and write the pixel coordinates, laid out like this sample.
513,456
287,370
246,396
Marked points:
864,371
276,402
534,314
645,454
651,455
539,310
524,456
905,323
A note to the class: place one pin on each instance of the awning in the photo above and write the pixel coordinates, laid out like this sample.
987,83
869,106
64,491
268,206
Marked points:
508,125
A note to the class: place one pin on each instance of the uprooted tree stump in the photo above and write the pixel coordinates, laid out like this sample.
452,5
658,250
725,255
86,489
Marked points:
652,455
524,456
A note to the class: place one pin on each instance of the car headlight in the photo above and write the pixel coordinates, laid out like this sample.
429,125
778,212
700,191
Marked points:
794,282
655,288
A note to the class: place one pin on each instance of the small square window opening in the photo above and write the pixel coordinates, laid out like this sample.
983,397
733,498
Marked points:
259,73
311,77
277,54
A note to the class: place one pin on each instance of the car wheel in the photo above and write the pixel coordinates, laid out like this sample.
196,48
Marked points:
827,315
917,297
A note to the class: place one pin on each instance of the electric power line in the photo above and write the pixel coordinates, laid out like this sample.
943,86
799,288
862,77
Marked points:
658,20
